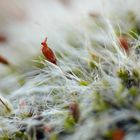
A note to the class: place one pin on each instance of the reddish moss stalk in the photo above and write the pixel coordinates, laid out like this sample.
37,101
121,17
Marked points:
74,111
4,61
48,53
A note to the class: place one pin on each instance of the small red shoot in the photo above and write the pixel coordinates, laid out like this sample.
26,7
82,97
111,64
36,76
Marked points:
48,53
47,129
124,43
74,111
118,134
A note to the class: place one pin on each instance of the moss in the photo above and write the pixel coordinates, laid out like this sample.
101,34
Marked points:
123,74
57,100
53,136
20,135
78,72
83,83
5,135
118,94
108,135
21,81
69,124
92,64
26,115
133,91
137,105
129,79
99,104
136,74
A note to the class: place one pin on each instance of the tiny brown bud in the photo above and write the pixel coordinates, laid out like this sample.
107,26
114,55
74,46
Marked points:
124,43
74,111
4,61
118,134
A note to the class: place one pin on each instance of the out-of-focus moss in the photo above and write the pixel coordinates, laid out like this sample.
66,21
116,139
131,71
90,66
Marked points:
83,83
99,104
129,79
20,135
21,81
137,105
108,135
119,93
77,72
92,64
53,136
123,74
69,124
135,74
133,91
26,115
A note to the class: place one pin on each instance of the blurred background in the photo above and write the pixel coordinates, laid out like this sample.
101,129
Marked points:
24,24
